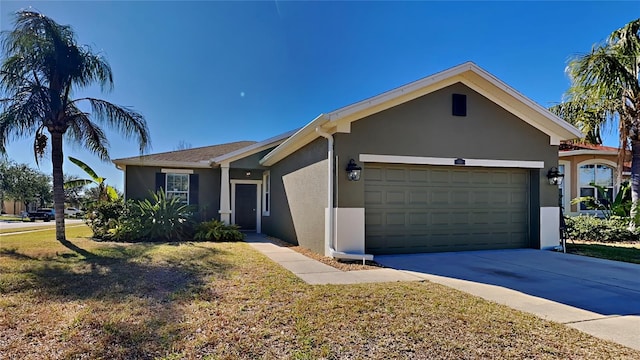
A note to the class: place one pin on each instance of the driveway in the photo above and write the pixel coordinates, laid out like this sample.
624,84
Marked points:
600,297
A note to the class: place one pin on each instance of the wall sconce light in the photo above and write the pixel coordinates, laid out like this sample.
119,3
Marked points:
247,174
353,171
554,176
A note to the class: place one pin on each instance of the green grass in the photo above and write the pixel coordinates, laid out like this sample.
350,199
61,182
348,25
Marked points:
87,299
49,226
627,252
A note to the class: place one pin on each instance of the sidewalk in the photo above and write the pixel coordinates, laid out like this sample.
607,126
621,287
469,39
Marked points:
314,272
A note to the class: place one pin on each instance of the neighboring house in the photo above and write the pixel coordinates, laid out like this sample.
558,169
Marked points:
15,207
454,161
585,164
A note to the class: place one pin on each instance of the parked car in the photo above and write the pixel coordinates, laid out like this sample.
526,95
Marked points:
44,214
73,212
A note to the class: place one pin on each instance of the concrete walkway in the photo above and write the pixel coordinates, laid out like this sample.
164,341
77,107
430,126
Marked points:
621,328
316,273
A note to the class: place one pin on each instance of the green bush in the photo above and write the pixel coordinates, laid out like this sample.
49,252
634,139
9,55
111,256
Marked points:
591,228
161,219
215,230
102,216
158,219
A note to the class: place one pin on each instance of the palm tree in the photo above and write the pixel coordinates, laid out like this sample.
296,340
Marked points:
42,67
606,89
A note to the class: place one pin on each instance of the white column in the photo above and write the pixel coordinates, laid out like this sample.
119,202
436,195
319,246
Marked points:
225,195
549,227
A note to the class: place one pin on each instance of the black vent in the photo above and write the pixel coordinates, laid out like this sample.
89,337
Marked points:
459,105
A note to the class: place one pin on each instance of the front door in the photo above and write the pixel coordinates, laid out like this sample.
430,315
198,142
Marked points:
245,206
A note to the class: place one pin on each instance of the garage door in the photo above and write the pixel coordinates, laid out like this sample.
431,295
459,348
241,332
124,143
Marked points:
417,208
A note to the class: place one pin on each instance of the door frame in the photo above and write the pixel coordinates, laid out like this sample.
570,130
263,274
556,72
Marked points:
258,184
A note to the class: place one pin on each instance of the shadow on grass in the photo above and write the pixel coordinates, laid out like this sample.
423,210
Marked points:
122,271
13,253
147,281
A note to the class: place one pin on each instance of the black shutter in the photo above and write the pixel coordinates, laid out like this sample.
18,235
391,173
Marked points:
160,181
193,189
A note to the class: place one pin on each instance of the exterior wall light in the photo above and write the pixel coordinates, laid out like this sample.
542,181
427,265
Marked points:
353,171
554,176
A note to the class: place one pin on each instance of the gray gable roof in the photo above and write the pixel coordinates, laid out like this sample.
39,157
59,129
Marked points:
199,157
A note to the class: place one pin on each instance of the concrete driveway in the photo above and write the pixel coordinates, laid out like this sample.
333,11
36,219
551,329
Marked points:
597,296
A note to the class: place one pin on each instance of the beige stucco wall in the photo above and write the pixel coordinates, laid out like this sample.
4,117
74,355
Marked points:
574,161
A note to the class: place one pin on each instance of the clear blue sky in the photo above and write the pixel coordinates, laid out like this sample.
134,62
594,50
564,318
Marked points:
213,72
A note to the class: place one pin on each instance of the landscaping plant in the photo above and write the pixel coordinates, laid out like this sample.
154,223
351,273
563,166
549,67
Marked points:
162,219
216,230
592,228
102,217
621,205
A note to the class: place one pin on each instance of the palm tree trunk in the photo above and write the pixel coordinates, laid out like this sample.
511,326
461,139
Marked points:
57,157
635,183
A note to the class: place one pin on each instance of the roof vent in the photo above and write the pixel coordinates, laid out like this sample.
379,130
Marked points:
459,105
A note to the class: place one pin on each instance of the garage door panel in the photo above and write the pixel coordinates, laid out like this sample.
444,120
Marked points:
395,175
373,197
439,177
435,208
420,196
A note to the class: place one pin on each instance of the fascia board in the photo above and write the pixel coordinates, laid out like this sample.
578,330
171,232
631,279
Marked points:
468,73
378,105
299,139
520,105
586,152
160,163
253,148
400,95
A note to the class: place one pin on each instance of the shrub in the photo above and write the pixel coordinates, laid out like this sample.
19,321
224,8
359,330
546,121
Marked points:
161,219
215,230
102,216
592,228
158,219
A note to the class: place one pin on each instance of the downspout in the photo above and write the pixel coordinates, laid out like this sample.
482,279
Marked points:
331,161
332,222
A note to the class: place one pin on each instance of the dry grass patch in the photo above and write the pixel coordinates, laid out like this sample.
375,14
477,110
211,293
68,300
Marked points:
226,301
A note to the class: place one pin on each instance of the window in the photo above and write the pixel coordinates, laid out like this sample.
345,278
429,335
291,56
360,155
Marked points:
266,191
598,174
178,186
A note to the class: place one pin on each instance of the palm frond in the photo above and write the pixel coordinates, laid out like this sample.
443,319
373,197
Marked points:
126,121
82,130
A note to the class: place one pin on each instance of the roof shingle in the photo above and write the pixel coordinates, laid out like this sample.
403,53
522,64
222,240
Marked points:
191,155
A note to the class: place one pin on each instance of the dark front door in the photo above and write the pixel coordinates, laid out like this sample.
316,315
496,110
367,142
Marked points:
246,206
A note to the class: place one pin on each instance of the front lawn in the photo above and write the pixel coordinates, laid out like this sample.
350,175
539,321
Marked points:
93,300
623,251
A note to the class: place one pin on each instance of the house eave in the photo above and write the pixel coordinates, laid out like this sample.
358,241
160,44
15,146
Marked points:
586,152
300,138
252,149
468,73
162,163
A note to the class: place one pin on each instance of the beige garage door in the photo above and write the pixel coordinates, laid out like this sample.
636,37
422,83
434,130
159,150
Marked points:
417,208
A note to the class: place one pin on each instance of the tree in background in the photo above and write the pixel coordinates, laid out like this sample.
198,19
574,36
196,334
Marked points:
21,183
73,195
42,68
605,90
